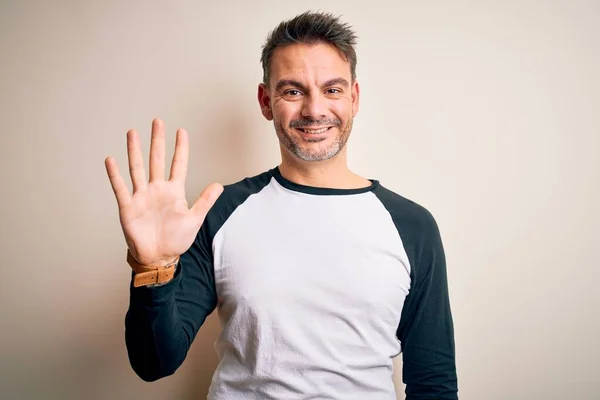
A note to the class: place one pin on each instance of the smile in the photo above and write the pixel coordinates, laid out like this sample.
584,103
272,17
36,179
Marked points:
314,131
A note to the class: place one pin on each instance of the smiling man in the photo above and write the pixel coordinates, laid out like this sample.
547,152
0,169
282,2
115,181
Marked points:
312,101
320,276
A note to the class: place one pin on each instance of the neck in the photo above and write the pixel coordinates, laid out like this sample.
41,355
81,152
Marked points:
333,173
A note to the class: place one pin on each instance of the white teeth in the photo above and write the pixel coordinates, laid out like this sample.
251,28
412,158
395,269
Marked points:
314,131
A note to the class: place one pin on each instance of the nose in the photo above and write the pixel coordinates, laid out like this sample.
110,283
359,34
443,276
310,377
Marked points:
314,106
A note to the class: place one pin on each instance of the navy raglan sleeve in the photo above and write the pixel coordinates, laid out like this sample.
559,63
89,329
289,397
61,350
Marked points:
162,321
426,329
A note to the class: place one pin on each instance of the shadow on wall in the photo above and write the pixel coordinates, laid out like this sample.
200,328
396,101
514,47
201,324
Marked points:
221,137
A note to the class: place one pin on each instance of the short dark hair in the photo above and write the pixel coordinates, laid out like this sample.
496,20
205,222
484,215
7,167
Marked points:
311,28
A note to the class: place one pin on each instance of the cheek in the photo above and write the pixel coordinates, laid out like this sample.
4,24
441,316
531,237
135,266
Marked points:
284,113
342,110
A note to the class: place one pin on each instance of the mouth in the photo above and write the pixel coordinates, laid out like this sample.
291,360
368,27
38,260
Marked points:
313,131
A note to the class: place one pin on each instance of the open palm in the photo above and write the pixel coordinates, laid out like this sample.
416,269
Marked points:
157,223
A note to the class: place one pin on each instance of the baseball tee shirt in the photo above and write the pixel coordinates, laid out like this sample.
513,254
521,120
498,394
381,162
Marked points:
316,289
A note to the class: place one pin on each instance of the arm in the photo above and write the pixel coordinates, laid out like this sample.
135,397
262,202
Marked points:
162,321
158,226
426,328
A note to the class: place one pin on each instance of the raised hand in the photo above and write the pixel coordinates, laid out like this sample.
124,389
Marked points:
156,221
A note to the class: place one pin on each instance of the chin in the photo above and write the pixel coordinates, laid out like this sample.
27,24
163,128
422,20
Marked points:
314,155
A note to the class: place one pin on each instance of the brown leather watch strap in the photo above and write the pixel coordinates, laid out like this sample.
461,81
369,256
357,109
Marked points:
151,274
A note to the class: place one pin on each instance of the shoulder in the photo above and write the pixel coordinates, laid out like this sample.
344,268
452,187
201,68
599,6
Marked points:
234,195
410,217
246,187
418,231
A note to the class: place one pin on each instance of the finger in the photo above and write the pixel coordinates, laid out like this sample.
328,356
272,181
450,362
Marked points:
136,161
180,157
157,151
207,199
117,183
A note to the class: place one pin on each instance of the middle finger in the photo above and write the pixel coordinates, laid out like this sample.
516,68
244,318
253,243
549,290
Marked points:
157,151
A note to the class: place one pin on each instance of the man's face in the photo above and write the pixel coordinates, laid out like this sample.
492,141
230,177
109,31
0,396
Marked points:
311,100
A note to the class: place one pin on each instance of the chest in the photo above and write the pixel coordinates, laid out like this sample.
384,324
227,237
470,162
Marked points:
327,261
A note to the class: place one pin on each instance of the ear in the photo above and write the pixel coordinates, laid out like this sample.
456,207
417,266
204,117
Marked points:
264,100
355,97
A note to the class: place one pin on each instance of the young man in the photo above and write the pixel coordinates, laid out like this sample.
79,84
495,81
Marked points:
320,276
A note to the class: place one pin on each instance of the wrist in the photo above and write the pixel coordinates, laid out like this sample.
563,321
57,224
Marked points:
161,262
164,262
160,272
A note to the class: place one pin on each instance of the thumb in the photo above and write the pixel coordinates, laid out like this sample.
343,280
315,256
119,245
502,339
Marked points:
207,199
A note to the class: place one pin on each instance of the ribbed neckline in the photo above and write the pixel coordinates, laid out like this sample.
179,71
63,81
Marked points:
319,191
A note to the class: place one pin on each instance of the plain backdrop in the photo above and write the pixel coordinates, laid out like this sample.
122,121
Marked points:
487,113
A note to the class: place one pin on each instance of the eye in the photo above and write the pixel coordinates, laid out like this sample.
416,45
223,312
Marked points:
333,91
292,93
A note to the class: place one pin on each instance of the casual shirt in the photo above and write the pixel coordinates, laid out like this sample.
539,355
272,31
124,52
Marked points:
316,289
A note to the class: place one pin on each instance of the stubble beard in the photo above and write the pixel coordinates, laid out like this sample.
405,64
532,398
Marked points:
302,149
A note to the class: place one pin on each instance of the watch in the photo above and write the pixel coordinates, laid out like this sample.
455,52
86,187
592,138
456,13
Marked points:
151,274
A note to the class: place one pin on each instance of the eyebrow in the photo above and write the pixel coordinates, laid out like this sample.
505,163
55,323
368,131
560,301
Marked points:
290,82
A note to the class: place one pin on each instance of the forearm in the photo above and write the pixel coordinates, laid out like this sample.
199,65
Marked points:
437,382
154,335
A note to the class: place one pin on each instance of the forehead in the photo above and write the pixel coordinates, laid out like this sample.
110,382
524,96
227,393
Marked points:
304,62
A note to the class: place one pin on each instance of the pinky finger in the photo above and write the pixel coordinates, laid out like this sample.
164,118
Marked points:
117,183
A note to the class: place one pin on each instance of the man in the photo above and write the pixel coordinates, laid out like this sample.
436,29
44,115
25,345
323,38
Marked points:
320,276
